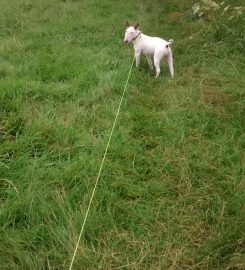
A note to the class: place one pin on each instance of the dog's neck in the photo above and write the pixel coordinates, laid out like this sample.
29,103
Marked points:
137,37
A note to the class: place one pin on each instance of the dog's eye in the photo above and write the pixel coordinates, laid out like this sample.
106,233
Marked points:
132,32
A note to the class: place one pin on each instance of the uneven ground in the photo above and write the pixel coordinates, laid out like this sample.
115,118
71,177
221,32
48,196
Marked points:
171,194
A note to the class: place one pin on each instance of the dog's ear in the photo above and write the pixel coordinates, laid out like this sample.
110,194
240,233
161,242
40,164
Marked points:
127,24
136,27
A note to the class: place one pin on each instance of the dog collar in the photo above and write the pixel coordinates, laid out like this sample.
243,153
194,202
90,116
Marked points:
136,36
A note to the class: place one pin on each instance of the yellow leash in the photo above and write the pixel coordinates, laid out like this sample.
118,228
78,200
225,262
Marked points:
101,166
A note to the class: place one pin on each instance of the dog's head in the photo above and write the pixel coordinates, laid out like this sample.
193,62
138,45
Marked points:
131,32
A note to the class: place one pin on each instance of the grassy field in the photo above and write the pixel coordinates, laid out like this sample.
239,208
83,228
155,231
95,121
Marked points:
171,194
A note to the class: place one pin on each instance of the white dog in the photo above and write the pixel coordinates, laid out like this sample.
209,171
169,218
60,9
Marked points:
149,46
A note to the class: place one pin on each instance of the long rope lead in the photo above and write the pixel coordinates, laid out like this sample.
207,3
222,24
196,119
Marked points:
101,167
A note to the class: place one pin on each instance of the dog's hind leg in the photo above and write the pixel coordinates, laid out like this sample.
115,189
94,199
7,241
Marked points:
157,61
170,62
157,66
148,57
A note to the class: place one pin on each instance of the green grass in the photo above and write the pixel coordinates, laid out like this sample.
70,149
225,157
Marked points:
171,194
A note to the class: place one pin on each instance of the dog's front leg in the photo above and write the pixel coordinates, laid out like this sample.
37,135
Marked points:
137,58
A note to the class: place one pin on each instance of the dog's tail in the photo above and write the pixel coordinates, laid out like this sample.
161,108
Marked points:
169,42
